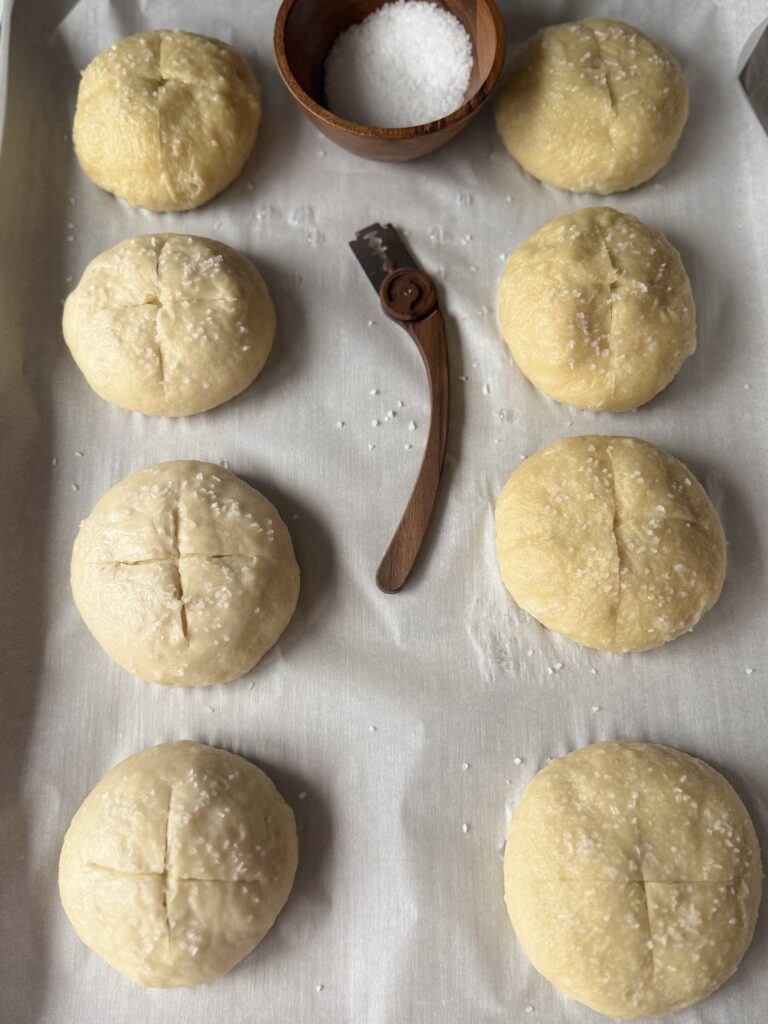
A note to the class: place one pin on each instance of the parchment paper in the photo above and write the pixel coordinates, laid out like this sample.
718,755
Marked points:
370,706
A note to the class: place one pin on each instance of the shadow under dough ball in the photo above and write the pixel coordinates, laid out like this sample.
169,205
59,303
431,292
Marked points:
597,310
170,325
610,542
592,106
632,877
185,574
177,864
166,120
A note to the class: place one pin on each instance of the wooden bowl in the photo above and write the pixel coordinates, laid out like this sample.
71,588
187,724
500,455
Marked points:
306,30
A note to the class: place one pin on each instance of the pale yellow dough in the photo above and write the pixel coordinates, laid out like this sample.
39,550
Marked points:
169,325
185,574
166,120
177,864
632,877
592,106
610,541
597,310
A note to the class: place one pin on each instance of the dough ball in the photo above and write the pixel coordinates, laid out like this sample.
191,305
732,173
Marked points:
609,541
597,309
166,120
632,877
177,864
184,574
170,325
592,106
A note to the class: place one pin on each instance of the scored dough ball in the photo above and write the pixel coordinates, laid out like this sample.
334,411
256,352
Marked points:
592,106
170,325
632,877
184,574
597,309
166,120
177,864
609,541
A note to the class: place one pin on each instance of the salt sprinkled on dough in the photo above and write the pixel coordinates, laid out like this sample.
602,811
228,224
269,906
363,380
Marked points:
407,63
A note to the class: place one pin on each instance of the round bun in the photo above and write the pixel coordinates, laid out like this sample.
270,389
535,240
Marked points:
169,325
592,106
177,864
632,877
184,574
166,120
609,541
597,309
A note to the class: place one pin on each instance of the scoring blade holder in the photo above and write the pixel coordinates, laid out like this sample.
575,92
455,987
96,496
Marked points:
408,296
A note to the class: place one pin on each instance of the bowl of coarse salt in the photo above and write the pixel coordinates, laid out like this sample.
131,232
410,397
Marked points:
389,80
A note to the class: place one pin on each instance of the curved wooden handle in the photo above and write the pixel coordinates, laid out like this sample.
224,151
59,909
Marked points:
405,295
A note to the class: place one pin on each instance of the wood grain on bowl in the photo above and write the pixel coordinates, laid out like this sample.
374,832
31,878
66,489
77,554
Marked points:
305,31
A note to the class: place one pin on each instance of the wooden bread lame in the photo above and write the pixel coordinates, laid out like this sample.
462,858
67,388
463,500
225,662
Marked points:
408,296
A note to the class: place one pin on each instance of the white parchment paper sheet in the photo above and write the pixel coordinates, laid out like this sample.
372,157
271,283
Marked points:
367,709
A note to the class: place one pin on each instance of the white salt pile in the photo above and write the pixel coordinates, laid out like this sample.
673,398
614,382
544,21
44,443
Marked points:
407,63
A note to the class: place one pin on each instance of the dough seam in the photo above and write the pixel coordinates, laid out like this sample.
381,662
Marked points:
158,307
169,558
160,147
603,66
615,535
631,881
639,847
613,287
176,558
116,873
165,876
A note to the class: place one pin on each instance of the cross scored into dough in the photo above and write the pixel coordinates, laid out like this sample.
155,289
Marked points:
169,325
597,309
166,119
632,877
609,541
592,106
168,875
185,574
175,559
195,302
177,863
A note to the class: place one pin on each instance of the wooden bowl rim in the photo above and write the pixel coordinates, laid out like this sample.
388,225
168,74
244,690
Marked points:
372,131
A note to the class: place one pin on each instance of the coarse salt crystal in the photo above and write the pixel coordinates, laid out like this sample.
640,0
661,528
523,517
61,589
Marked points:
407,63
